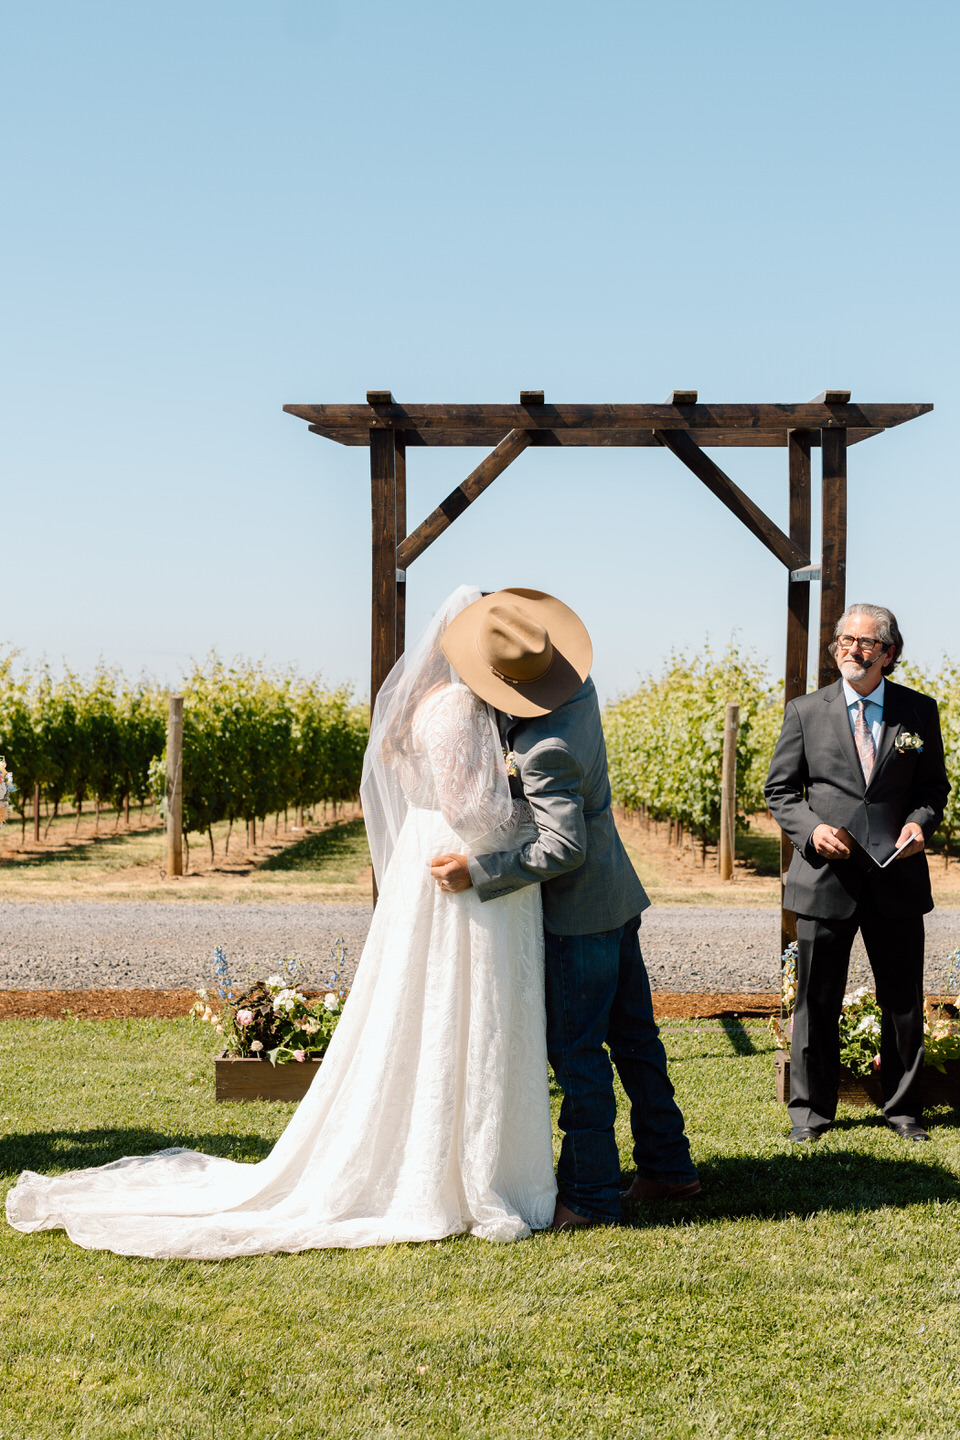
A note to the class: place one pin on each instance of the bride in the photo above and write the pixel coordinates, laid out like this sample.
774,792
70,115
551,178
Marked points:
430,1114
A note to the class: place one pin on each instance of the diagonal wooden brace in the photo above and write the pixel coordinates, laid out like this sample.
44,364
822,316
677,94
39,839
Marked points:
786,550
457,501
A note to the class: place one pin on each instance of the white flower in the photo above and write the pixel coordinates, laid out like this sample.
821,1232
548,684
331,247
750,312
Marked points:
331,1001
288,1000
274,982
256,1045
869,1025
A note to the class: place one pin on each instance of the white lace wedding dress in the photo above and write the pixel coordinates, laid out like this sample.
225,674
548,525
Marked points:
430,1114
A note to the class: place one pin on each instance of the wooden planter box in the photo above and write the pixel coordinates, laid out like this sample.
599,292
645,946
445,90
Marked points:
938,1089
240,1078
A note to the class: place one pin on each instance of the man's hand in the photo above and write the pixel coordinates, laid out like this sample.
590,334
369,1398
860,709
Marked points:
451,873
911,828
832,843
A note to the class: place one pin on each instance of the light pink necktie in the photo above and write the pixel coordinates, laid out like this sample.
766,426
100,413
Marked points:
863,735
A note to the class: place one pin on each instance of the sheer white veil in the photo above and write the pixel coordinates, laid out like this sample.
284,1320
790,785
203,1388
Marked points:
392,750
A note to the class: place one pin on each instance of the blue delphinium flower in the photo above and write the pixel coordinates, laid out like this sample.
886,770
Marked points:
338,955
953,972
222,972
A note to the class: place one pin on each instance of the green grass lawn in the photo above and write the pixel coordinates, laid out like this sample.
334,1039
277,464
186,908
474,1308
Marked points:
760,850
810,1293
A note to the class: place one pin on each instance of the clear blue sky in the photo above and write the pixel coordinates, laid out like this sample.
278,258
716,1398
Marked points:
215,208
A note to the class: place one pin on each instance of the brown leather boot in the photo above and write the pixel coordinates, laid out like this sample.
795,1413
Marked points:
566,1219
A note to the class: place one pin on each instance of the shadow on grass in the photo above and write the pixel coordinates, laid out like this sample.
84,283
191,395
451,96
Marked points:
738,1035
806,1181
46,1150
84,849
761,852
342,848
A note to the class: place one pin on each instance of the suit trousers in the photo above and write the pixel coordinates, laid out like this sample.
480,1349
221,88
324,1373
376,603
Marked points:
895,950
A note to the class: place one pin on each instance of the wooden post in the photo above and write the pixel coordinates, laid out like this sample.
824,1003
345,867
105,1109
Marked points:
728,790
383,494
401,473
798,628
36,813
833,547
174,846
389,591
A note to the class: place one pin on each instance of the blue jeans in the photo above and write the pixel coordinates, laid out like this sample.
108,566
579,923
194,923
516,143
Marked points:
598,994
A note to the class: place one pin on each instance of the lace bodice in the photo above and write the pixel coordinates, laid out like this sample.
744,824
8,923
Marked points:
457,767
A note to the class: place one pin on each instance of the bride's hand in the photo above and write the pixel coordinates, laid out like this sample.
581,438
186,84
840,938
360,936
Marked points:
451,873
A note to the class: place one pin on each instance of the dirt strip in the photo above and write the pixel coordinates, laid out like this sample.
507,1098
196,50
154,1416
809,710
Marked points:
95,1004
171,1004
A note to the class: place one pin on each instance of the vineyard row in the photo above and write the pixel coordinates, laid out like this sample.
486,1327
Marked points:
255,742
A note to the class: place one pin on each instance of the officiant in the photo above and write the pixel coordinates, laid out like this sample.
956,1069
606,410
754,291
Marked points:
858,783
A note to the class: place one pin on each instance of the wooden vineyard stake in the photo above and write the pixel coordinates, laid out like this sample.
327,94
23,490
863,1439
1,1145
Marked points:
174,845
728,791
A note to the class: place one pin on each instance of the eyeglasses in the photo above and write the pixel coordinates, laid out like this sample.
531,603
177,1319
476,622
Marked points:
866,642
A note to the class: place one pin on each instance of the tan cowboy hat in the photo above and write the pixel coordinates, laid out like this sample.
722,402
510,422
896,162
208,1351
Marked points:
522,651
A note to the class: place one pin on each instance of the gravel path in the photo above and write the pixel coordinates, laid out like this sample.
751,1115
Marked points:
81,945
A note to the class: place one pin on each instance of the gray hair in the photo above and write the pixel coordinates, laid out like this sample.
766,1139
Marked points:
887,630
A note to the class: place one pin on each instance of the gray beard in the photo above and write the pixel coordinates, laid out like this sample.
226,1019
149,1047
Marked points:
850,670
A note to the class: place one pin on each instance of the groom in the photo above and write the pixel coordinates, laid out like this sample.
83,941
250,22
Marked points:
529,656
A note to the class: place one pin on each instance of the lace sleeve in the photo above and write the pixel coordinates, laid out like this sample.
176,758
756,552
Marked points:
462,746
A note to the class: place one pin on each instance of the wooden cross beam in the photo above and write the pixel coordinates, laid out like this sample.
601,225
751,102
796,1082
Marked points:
787,551
457,501
602,425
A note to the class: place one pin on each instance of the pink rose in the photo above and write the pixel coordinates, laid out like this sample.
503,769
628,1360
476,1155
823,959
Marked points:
300,1055
244,1017
876,1062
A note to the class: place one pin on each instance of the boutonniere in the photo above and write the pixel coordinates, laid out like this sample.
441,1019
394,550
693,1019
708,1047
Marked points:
907,741
510,760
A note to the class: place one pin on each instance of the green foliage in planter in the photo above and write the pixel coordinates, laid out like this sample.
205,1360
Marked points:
272,1019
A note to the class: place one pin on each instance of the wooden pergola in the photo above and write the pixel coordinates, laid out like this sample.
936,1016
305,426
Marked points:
681,425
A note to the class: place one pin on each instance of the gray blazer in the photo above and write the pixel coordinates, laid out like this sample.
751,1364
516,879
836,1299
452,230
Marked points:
589,884
815,778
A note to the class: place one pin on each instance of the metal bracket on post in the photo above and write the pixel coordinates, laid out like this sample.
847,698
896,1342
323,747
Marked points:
806,572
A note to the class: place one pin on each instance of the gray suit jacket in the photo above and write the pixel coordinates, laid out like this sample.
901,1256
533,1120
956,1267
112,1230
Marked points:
589,884
815,778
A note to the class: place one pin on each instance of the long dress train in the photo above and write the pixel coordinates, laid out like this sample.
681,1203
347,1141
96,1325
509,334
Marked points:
430,1113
